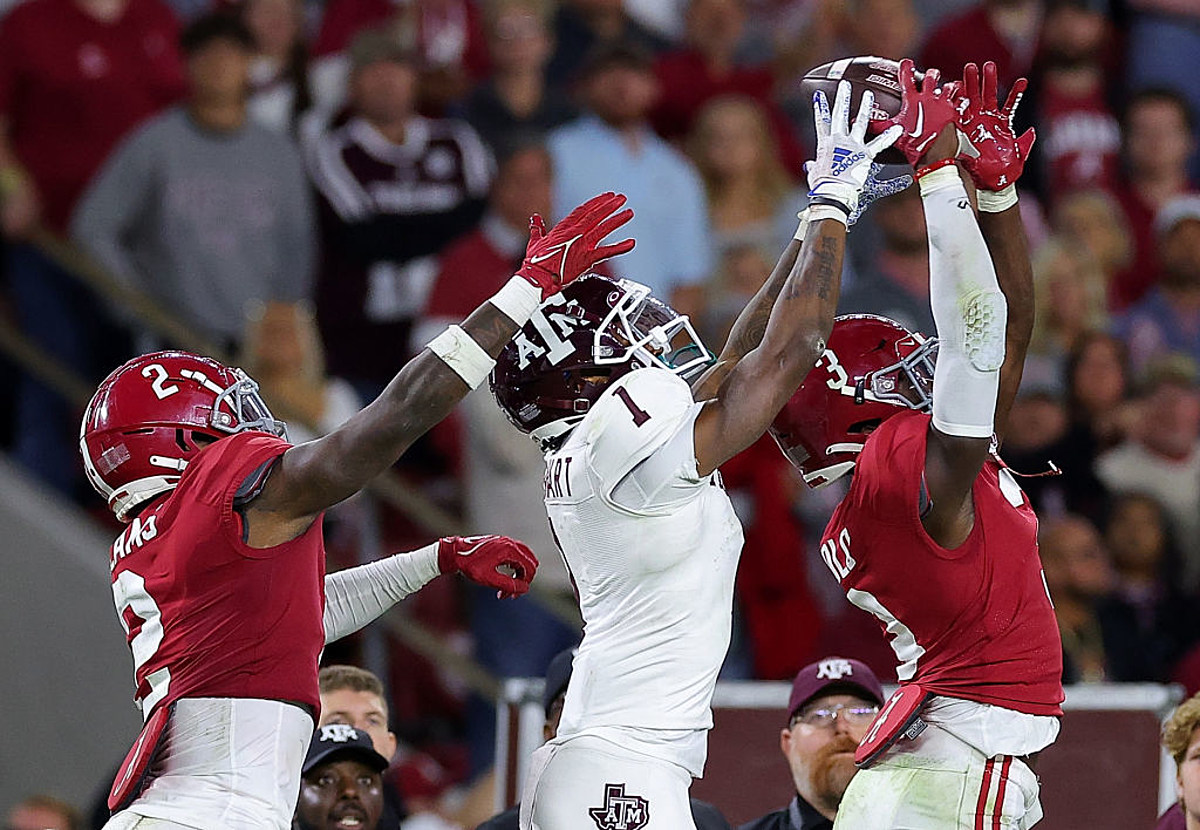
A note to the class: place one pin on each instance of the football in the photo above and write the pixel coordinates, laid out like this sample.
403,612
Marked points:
880,75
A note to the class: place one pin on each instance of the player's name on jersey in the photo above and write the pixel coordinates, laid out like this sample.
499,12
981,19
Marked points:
558,478
137,534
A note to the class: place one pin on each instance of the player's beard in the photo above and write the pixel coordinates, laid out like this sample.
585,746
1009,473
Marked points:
832,768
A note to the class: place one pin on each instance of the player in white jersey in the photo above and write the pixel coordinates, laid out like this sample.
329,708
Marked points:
634,498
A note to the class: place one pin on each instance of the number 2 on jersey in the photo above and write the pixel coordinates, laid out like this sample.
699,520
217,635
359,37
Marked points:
129,594
640,416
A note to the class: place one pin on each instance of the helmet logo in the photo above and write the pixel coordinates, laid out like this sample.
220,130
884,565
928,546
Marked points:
838,378
554,327
161,390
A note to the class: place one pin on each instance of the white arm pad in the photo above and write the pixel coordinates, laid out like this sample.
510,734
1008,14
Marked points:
968,308
357,596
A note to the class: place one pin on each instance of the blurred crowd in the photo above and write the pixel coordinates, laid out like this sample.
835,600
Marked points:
318,188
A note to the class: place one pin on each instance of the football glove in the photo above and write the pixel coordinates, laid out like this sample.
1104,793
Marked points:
877,188
923,114
839,173
992,153
479,558
572,247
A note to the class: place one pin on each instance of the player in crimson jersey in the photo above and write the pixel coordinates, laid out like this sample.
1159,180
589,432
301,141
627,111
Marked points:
935,537
219,578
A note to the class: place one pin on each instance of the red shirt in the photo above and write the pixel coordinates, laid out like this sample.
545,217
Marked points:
471,271
207,615
1081,142
975,622
970,38
72,86
687,86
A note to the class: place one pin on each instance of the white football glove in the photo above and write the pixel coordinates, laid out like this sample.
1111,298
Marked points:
838,174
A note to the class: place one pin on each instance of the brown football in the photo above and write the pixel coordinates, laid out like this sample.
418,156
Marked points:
880,75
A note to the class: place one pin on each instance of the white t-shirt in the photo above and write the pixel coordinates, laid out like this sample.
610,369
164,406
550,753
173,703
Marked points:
653,548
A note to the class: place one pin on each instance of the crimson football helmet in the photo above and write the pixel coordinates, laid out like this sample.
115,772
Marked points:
592,332
872,368
140,428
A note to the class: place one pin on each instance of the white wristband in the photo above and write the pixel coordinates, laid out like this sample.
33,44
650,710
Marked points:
517,300
999,201
818,212
802,228
939,179
460,352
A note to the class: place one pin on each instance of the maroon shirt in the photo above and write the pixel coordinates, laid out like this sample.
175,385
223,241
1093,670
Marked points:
970,38
975,622
72,86
206,614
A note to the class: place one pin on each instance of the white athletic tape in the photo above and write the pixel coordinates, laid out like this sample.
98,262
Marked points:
460,352
1001,200
517,300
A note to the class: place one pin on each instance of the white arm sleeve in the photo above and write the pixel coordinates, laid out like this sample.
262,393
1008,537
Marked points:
356,596
968,308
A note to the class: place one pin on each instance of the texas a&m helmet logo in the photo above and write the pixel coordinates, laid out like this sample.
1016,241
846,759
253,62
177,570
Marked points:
620,811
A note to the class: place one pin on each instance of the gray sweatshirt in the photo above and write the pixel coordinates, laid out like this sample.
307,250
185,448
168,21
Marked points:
205,222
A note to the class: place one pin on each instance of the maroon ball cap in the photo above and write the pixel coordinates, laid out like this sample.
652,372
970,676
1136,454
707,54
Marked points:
831,675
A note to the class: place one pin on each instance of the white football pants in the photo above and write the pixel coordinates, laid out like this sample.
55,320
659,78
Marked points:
938,782
588,782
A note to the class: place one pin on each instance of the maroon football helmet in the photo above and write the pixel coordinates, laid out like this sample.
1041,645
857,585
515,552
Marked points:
140,428
592,332
871,369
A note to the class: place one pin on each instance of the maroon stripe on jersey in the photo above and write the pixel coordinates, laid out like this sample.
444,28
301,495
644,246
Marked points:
981,804
998,811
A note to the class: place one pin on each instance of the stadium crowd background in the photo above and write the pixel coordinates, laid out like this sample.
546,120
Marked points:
322,234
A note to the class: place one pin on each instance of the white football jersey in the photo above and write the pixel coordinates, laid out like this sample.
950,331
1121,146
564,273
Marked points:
653,548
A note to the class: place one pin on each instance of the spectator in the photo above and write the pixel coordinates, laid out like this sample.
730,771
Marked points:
201,209
1093,221
1147,620
503,469
340,784
290,94
1072,102
752,199
612,147
892,279
581,26
1078,575
1097,377
1038,427
42,812
707,66
1069,301
832,703
75,77
282,351
1162,457
1159,133
1004,31
1167,319
1181,740
1164,39
554,692
516,99
887,28
394,189
742,271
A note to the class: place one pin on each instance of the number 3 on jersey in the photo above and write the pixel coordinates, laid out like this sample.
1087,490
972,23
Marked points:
837,555
132,601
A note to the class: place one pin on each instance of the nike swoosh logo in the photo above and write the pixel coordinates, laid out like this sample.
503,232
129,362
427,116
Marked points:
920,121
560,248
482,541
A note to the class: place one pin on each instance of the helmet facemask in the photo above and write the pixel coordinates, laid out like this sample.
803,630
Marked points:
654,331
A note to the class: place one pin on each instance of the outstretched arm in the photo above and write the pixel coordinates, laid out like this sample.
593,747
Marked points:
757,385
312,477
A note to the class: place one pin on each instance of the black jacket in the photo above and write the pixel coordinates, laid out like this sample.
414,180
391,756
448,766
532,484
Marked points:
706,816
799,815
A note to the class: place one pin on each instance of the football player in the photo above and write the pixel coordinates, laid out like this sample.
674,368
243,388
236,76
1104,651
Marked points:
646,529
219,578
934,537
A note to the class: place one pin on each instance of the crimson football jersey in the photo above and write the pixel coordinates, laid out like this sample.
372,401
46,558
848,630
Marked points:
974,622
205,614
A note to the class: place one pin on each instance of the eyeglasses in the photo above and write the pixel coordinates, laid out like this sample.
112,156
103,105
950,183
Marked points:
825,717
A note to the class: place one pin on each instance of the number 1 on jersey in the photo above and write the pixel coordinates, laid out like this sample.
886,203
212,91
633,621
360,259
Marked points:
640,416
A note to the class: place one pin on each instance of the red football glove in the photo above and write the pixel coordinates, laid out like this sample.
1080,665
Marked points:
923,114
480,557
995,157
572,247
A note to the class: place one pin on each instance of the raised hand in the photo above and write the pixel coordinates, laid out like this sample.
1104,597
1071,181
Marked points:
994,156
923,114
876,188
572,247
839,173
479,558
